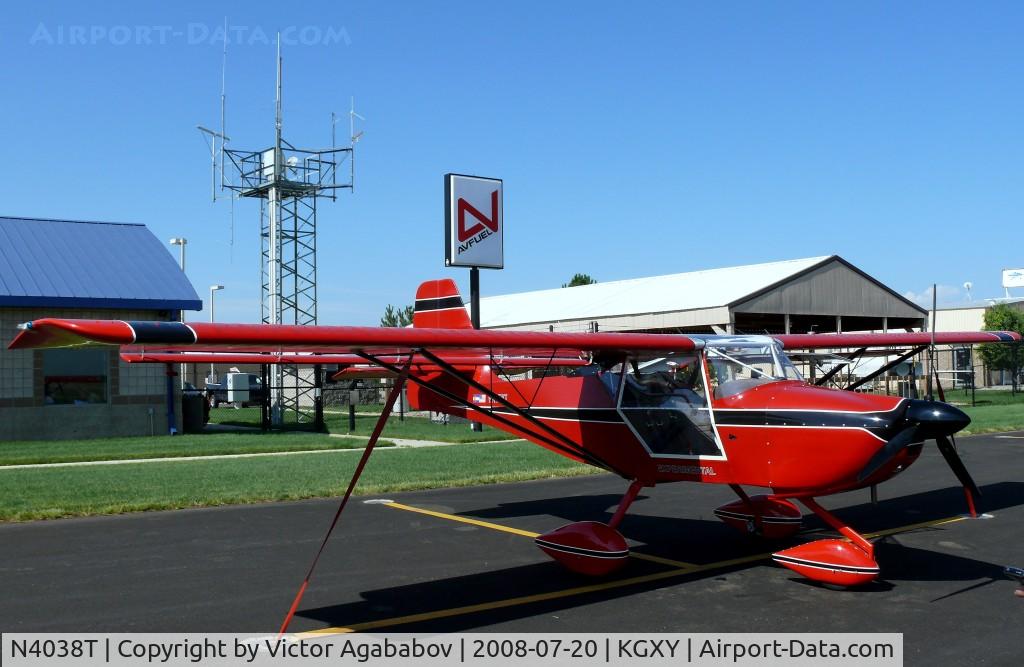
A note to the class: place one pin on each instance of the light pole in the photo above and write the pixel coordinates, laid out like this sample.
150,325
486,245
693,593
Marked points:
181,242
213,289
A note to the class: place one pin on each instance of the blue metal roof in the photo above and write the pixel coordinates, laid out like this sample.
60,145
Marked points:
71,264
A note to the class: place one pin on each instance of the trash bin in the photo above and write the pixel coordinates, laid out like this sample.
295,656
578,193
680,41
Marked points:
193,418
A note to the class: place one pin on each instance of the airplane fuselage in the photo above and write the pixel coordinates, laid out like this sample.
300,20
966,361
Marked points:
795,438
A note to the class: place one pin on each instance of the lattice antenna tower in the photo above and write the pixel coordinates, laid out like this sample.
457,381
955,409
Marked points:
288,181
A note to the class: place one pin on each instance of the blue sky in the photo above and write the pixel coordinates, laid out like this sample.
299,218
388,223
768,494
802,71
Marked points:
633,139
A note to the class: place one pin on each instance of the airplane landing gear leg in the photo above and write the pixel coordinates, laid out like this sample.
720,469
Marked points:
831,561
765,516
591,547
627,500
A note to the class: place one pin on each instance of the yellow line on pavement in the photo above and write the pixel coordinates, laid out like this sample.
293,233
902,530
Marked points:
914,526
524,533
687,569
461,519
527,599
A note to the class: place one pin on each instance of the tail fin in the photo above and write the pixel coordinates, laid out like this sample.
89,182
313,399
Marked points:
439,306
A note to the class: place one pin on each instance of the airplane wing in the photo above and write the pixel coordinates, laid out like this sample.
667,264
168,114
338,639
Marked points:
149,337
152,337
834,341
307,359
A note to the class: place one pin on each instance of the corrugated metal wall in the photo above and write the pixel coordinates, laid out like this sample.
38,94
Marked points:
831,289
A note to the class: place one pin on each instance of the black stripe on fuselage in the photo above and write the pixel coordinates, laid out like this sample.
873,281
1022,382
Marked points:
443,303
608,415
162,332
879,423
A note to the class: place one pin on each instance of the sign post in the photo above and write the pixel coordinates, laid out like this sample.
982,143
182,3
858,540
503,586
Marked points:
474,296
473,229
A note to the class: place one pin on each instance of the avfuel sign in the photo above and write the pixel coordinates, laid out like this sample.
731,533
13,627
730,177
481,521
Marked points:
473,222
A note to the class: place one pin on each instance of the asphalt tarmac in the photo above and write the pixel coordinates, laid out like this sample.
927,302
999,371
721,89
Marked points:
469,564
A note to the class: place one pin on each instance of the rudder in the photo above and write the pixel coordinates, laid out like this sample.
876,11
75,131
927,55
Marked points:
439,306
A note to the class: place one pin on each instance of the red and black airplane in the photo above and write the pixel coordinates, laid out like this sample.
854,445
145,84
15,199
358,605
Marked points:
652,408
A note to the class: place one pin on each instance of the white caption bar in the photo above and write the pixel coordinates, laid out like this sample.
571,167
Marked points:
421,650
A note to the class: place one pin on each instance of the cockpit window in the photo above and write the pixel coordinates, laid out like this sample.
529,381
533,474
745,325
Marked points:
734,369
665,403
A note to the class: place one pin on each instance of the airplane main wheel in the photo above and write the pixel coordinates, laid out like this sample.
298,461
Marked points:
586,547
779,517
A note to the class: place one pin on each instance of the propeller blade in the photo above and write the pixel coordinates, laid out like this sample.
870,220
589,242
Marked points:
888,451
956,464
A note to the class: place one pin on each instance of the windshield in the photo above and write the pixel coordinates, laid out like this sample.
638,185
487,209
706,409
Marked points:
736,368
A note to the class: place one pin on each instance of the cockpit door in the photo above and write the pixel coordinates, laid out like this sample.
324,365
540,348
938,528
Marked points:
665,403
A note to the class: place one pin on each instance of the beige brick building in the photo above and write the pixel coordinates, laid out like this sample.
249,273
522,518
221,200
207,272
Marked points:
66,269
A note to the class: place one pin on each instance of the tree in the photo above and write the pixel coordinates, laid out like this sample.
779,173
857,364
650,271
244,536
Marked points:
397,317
1004,356
580,279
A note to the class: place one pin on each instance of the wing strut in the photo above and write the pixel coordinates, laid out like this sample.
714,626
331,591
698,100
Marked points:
828,376
396,392
560,444
889,366
536,391
453,373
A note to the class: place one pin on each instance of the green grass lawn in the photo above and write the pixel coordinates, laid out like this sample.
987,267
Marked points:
240,417
984,397
362,407
105,489
994,418
414,428
994,410
203,444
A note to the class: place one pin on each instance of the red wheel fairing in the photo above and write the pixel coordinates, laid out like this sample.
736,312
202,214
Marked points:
586,547
836,562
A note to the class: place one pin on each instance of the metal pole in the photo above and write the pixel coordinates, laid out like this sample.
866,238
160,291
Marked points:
474,299
223,105
274,260
213,371
318,399
931,348
474,295
213,290
184,367
277,105
172,428
180,242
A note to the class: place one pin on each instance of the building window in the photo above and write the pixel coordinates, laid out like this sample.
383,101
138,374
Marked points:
75,377
964,376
